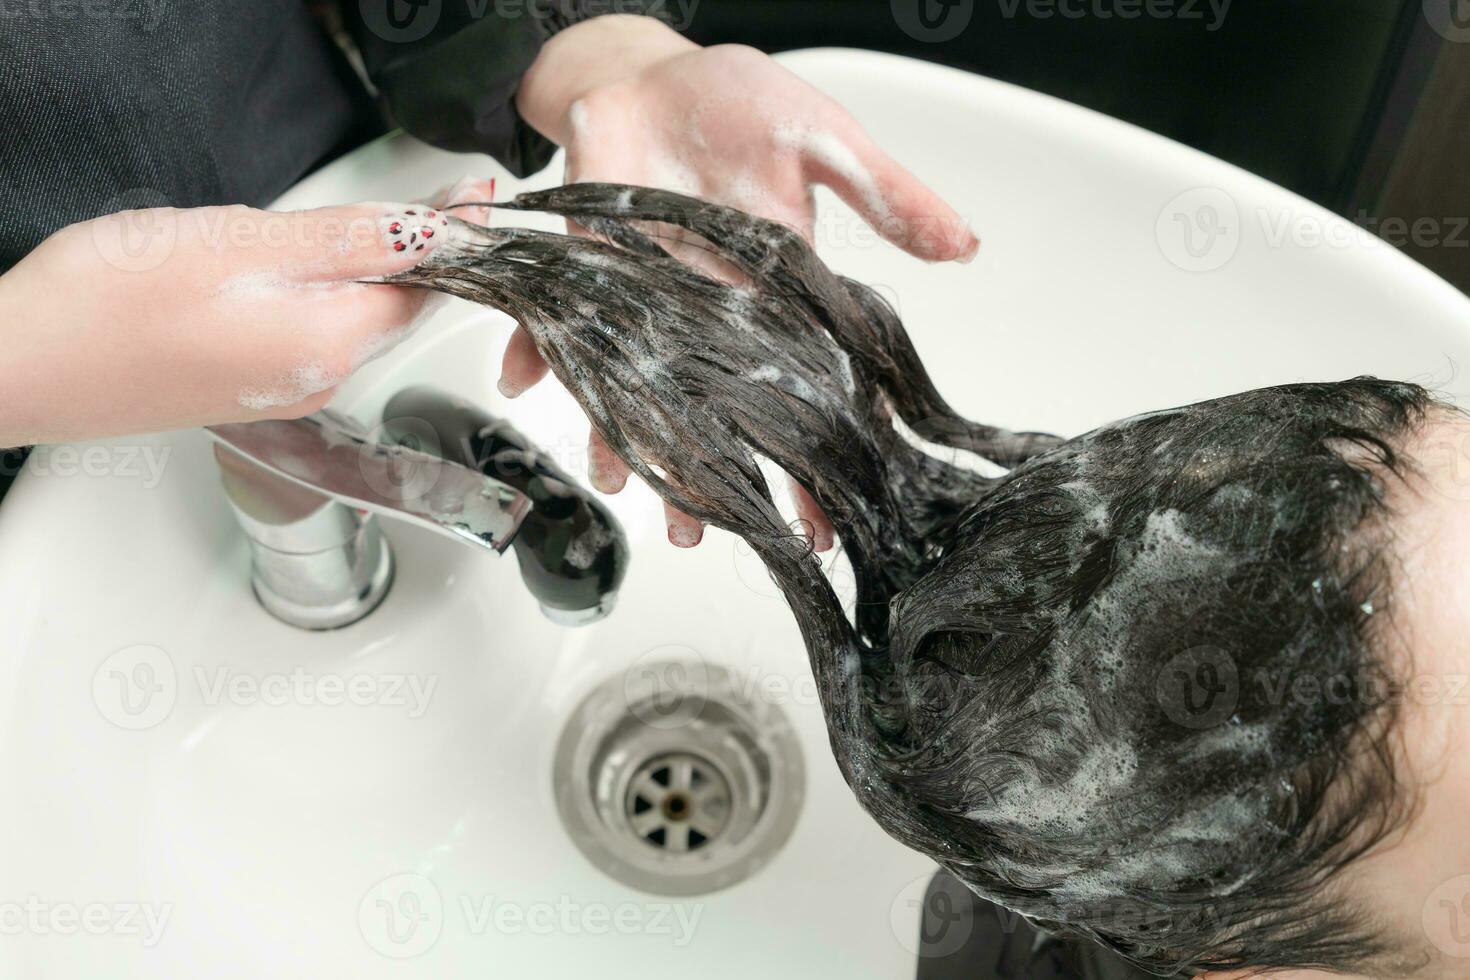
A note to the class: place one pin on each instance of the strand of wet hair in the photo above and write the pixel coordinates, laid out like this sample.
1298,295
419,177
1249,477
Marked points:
691,381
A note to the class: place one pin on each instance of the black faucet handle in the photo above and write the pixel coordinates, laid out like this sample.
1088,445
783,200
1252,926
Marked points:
572,552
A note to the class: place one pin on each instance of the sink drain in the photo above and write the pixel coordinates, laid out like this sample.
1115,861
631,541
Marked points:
669,782
678,802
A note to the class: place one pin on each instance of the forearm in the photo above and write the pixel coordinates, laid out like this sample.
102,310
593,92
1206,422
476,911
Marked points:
46,359
17,395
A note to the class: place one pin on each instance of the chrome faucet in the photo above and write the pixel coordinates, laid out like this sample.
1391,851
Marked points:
306,492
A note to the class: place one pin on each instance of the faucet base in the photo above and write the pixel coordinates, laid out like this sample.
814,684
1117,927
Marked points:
324,590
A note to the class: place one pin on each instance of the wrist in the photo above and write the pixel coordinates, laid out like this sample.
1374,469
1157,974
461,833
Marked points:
31,347
585,57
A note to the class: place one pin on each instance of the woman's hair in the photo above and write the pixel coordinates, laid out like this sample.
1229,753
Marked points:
1126,688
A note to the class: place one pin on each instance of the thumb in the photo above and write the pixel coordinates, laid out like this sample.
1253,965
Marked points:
355,241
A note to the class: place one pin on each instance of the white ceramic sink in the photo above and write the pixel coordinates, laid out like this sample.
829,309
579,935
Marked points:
193,789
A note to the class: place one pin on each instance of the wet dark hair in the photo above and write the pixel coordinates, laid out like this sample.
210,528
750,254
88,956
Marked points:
1075,685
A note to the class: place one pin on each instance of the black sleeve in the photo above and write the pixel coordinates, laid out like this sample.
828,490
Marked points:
447,70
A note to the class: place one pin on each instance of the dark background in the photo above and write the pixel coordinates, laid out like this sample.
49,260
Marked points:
1359,105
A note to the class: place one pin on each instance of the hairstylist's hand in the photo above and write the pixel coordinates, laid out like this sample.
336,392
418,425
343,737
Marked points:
167,318
633,102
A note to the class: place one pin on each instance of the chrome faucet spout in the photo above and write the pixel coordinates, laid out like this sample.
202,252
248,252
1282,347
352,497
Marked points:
332,455
305,491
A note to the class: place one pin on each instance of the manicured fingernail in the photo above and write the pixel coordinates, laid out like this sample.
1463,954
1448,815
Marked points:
604,478
967,255
412,228
686,534
603,483
508,388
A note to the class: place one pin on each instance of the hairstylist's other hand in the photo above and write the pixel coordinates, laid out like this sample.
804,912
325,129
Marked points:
166,318
633,102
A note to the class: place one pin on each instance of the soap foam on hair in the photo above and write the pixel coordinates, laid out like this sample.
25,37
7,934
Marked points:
993,698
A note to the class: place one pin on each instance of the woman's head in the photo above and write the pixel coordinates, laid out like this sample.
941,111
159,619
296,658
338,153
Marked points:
1141,687
1168,652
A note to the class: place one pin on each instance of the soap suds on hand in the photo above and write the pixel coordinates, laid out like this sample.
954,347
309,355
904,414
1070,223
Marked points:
832,153
303,382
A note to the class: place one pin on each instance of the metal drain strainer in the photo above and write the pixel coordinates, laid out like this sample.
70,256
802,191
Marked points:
679,801
671,783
